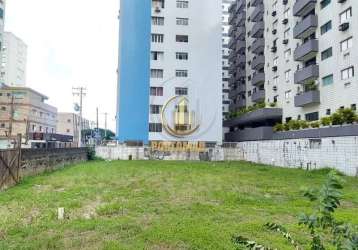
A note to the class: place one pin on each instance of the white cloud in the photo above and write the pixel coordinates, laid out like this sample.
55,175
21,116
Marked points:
70,43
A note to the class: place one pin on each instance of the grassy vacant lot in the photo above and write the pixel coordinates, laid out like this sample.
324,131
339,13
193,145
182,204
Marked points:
158,205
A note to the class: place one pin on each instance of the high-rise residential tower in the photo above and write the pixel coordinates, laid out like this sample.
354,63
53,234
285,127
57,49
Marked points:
302,60
2,22
170,70
225,51
13,61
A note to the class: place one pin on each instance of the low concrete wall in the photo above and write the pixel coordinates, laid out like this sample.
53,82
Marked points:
340,153
36,161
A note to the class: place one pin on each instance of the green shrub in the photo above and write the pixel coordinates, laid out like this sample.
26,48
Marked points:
314,124
349,116
273,104
304,124
286,127
279,127
91,153
311,86
294,125
322,227
326,121
337,118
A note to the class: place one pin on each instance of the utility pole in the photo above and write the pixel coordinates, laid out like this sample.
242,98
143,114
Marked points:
105,124
12,112
97,125
81,92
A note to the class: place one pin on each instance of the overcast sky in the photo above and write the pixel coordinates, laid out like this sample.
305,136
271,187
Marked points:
70,43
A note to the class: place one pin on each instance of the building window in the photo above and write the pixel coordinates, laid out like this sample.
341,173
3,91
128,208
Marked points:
155,109
326,27
156,20
3,108
328,112
345,15
158,4
327,80
155,127
325,3
346,44
182,4
2,125
156,91
287,75
181,91
181,56
354,107
286,34
182,38
156,55
156,73
182,21
288,95
181,73
312,116
347,73
157,38
287,54
326,54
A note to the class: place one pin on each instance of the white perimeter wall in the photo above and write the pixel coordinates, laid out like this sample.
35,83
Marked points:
340,153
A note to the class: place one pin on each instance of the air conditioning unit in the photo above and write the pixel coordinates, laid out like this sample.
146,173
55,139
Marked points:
344,27
274,49
274,88
274,13
285,21
157,9
284,2
285,41
274,32
274,68
342,1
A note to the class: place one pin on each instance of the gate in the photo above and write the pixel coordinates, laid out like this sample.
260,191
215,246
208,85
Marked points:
10,161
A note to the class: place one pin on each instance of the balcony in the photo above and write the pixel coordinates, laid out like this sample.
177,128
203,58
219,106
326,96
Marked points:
307,98
240,21
258,30
258,78
303,7
306,51
265,116
241,60
240,74
241,103
258,46
235,92
258,62
306,74
241,47
254,3
240,6
241,33
258,96
258,14
232,30
306,27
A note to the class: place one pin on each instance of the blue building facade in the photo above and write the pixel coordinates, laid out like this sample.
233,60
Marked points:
134,71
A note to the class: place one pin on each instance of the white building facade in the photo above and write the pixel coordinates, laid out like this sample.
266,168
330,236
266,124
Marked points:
225,51
298,56
183,71
13,60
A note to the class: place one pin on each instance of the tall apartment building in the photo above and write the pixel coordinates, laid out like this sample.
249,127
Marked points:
225,51
13,61
170,70
2,23
70,124
298,54
24,111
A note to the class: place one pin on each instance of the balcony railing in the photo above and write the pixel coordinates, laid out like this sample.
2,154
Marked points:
306,74
306,51
306,27
307,98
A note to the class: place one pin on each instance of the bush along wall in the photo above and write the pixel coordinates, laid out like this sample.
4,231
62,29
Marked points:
340,117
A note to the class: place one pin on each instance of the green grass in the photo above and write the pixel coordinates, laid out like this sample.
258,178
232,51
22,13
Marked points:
159,205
